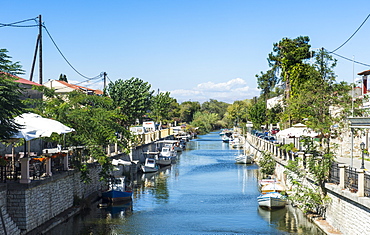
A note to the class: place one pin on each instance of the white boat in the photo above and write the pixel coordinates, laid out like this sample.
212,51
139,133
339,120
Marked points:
160,160
236,143
272,200
272,187
244,159
264,182
176,145
167,151
149,166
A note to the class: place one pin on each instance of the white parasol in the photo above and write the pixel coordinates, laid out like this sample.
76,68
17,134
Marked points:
34,126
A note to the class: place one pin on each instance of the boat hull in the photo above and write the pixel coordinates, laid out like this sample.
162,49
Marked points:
244,159
116,196
164,161
272,200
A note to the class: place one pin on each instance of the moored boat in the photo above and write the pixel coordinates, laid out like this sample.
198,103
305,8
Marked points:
117,191
272,187
149,166
244,159
272,200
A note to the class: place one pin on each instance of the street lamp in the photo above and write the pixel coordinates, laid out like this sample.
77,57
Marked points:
362,146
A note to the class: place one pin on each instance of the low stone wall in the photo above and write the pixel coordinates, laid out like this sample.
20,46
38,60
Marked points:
347,212
31,205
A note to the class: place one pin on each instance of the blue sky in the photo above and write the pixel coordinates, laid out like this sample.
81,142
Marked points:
196,49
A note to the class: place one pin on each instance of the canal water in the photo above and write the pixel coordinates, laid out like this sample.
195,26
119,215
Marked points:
205,192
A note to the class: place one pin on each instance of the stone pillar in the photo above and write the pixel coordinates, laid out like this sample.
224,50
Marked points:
108,150
300,160
342,175
25,170
361,183
308,155
65,162
48,167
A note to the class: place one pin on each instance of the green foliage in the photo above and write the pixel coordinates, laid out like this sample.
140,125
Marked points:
205,121
63,77
7,66
311,197
267,164
257,113
214,106
132,97
237,112
161,107
10,103
96,122
187,110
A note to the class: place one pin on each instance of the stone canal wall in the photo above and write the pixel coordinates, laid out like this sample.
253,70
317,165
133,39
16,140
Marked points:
347,212
31,205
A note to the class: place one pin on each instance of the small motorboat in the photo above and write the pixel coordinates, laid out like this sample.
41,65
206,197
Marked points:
117,191
272,200
149,166
244,159
272,187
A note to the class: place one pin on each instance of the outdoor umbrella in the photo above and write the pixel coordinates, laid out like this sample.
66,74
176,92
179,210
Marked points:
297,130
34,126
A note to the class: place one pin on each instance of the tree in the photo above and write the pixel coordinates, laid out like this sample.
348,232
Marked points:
96,122
287,57
132,97
63,77
257,112
267,82
10,103
237,112
161,106
214,106
205,121
187,110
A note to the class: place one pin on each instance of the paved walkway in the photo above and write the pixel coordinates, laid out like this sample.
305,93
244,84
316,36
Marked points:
356,163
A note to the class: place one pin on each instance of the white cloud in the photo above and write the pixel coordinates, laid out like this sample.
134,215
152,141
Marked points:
230,91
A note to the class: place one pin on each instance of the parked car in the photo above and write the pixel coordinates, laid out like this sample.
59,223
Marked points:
270,139
274,131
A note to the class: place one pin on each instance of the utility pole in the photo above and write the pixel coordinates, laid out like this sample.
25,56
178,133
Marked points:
40,52
39,49
105,80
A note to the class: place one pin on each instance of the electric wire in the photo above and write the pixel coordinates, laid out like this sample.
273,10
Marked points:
351,35
60,52
14,24
354,61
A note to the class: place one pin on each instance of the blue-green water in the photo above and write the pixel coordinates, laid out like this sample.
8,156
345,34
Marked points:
205,192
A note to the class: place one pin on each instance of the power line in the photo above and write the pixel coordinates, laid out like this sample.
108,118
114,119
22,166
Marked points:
352,34
60,52
343,57
14,24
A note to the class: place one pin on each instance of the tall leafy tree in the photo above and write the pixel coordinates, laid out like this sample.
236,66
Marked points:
215,106
63,77
161,106
96,122
187,110
237,112
287,58
10,103
257,112
205,121
132,97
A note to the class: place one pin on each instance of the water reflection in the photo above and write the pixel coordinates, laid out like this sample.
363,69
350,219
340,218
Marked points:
205,192
117,210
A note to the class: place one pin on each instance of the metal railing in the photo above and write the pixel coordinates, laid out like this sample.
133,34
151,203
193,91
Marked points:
334,173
